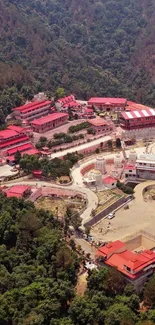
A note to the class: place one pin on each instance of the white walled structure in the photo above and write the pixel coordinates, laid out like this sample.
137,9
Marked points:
100,164
145,133
118,160
145,166
132,156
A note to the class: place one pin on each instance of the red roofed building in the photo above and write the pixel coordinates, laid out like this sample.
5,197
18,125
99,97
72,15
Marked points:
32,110
136,268
49,122
107,104
139,123
12,139
100,125
109,182
130,171
62,104
18,191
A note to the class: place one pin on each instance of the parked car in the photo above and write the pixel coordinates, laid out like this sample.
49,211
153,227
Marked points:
111,216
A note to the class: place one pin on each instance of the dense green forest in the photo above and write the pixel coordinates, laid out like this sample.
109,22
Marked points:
38,275
89,47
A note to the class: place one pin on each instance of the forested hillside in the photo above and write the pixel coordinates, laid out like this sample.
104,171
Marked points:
89,47
39,270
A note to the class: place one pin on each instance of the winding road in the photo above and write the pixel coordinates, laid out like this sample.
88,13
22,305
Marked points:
77,185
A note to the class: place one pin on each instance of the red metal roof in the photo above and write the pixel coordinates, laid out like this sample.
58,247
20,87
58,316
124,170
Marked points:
32,105
132,106
20,148
16,128
49,118
110,248
66,99
117,255
128,167
14,141
31,152
17,190
138,114
7,134
106,101
109,180
98,122
36,106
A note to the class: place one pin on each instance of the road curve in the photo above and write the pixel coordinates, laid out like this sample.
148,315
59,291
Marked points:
92,198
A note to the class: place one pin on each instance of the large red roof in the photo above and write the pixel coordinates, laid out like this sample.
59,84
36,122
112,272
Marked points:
7,134
13,141
148,112
98,122
49,118
109,180
110,248
32,151
17,190
16,128
126,261
106,101
32,106
20,148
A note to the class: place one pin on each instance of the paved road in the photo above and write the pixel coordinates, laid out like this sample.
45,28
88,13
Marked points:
78,183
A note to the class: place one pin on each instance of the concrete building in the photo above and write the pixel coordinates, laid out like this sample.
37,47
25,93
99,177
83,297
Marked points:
132,157
108,104
62,104
138,124
110,182
49,122
136,268
31,111
118,160
145,166
100,164
130,171
14,139
100,126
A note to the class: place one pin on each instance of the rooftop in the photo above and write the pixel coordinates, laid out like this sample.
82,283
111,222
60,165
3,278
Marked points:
7,134
49,118
138,114
17,190
98,122
106,101
109,180
14,141
32,106
126,261
128,167
16,128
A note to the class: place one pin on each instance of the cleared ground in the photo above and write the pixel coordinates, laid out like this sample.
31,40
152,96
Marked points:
58,206
139,216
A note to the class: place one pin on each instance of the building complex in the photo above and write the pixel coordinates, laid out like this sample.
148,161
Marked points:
32,110
135,267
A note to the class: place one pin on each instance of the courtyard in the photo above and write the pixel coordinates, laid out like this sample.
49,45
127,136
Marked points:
139,216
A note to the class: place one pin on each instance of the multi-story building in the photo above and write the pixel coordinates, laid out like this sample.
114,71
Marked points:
145,166
108,104
135,267
64,103
15,139
49,122
100,126
33,110
138,124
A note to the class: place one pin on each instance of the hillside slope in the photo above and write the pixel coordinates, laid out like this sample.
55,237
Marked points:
89,47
